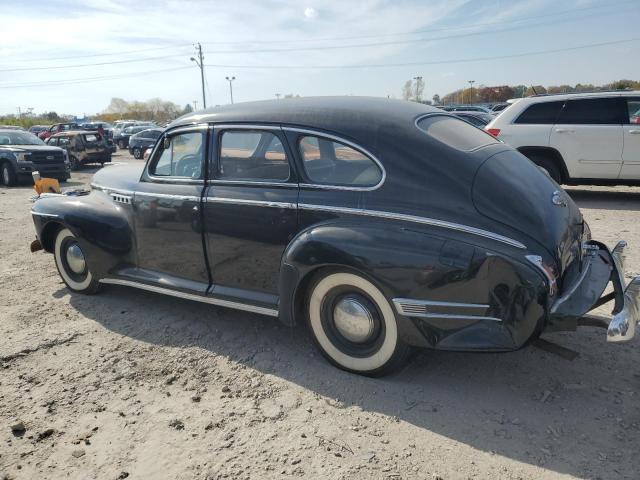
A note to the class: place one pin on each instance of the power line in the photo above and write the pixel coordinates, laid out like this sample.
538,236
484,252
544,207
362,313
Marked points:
435,62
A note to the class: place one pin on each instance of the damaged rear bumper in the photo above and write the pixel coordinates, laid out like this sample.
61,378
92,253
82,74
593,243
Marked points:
600,266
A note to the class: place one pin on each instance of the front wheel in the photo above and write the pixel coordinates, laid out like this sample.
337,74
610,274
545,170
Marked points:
137,153
353,324
7,175
72,265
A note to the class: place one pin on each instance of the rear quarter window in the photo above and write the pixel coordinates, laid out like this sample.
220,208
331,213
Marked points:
455,133
544,113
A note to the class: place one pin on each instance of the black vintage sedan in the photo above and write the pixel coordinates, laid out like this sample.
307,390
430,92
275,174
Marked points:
384,225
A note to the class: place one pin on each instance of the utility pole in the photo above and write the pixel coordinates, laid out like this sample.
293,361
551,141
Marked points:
201,65
195,105
418,80
230,80
471,82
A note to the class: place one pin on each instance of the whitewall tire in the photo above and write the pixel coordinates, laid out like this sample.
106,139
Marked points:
354,325
72,265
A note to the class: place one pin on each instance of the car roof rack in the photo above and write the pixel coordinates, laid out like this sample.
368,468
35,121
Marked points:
586,91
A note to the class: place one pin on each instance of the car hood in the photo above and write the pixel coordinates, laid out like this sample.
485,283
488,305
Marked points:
511,189
119,177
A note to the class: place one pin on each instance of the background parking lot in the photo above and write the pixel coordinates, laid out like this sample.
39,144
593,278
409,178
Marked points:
130,384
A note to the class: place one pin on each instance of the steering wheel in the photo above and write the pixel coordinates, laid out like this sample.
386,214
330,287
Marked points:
189,166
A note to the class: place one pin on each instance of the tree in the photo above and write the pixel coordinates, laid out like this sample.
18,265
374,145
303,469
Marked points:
407,90
436,99
117,105
187,109
419,88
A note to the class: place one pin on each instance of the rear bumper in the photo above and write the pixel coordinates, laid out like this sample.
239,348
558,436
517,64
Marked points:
601,266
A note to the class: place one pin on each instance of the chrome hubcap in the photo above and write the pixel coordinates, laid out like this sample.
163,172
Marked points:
353,320
75,258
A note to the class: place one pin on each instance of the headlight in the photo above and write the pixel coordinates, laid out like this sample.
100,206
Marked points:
23,156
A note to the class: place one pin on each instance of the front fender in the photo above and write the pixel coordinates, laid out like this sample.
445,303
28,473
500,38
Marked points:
104,228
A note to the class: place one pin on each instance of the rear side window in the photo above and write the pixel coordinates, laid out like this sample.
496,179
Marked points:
328,162
596,111
633,109
455,133
544,113
91,138
252,155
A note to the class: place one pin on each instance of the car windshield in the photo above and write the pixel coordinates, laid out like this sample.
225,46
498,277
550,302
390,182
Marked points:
19,138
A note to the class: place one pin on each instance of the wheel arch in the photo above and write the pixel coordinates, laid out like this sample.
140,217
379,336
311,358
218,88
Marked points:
552,154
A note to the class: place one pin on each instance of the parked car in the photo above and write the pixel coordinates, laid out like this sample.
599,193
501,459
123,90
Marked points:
22,153
477,119
11,127
382,224
577,138
139,142
82,147
36,129
95,126
465,108
123,139
635,116
499,107
56,128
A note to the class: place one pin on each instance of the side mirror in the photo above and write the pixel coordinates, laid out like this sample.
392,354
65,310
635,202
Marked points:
166,143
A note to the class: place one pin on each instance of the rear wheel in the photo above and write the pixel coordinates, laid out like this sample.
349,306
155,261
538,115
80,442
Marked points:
137,153
549,166
121,144
353,324
72,265
8,175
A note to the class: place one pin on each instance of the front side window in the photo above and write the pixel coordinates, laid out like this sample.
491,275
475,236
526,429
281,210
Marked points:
183,157
328,162
252,155
455,133
63,141
544,113
593,111
633,110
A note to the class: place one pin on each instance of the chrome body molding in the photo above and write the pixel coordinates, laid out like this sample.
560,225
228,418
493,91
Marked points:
415,219
126,199
189,296
410,307
49,215
109,190
188,198
364,151
257,203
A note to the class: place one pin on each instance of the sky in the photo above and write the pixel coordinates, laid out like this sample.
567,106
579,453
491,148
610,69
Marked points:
73,56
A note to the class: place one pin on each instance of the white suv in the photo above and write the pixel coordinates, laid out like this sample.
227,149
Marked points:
577,138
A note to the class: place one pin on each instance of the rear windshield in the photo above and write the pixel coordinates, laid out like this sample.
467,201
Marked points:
92,137
455,133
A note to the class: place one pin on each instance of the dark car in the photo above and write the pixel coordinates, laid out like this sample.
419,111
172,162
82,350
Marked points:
22,153
36,129
121,137
56,128
382,224
139,142
477,119
499,107
82,147
465,108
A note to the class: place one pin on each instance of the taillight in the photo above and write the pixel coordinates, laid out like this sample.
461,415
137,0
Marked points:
494,131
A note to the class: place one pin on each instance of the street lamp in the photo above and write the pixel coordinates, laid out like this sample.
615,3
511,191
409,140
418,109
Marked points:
201,66
471,82
230,80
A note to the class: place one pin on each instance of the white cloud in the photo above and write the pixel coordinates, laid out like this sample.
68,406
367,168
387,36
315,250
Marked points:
310,13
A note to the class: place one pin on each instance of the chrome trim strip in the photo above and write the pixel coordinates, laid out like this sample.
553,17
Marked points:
110,190
191,198
220,181
319,133
189,296
184,128
446,316
39,214
245,126
257,203
415,219
431,303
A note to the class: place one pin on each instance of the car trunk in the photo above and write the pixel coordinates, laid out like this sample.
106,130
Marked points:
512,190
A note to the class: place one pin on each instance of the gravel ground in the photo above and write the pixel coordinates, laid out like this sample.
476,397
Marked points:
129,384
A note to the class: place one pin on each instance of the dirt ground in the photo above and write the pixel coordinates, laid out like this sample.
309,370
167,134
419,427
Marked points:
129,384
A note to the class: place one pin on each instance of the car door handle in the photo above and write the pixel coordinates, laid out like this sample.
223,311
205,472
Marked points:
634,132
564,130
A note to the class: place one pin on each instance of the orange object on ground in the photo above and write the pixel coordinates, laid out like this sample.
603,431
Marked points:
45,185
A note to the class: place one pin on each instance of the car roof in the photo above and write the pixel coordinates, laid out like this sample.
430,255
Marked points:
340,114
73,132
569,96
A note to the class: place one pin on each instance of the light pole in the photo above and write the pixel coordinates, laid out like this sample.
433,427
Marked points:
471,82
201,65
418,80
230,80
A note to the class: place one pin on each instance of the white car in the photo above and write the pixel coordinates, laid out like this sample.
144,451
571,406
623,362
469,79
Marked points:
577,138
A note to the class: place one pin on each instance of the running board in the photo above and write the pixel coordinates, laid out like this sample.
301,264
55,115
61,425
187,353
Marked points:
190,296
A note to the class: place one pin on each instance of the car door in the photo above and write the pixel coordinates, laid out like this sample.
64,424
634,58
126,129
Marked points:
250,211
588,134
167,213
631,148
